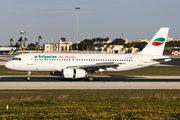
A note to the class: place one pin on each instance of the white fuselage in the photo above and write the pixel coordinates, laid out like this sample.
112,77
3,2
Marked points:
7,49
59,61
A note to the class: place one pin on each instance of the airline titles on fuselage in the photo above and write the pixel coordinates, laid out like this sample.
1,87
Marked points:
51,56
74,58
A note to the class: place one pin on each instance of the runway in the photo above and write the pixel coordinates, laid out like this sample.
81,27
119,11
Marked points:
100,82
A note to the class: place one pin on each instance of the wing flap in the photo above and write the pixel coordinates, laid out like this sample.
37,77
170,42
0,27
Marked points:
97,66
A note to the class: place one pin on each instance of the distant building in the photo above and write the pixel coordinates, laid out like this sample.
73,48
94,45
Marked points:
115,49
143,40
62,45
168,39
177,39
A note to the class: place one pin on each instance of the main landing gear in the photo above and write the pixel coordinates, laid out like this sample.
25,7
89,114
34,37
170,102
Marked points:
28,76
89,77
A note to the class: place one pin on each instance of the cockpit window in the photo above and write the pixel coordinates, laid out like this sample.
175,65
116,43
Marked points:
17,59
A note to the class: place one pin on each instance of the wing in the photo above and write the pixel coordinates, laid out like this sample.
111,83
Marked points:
98,67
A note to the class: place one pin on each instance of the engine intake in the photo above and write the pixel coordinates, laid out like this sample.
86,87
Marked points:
73,73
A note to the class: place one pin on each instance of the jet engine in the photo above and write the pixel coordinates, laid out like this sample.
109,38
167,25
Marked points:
73,73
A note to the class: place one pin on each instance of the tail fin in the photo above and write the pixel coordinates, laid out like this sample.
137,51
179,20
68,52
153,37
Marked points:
18,44
157,43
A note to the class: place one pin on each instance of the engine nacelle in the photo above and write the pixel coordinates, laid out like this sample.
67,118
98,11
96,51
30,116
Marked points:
56,73
73,73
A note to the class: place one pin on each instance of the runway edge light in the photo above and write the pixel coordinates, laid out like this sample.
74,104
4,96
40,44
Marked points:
7,106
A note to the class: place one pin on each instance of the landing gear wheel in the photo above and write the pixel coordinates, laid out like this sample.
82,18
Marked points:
90,78
28,78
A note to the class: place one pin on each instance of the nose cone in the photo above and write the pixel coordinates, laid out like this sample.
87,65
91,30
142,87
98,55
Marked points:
9,65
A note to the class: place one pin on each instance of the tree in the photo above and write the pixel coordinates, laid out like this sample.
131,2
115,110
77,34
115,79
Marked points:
39,38
99,41
83,43
31,46
37,46
25,39
140,45
74,46
11,40
118,41
172,44
106,39
89,43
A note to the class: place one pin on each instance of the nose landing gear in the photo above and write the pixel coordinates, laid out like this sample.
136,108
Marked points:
28,76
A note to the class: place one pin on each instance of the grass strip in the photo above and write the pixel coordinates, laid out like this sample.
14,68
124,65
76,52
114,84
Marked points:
90,104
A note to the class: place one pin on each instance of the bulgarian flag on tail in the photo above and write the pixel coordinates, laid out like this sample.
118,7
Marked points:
158,41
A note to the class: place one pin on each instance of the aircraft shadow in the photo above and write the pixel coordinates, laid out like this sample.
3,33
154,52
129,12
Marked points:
96,79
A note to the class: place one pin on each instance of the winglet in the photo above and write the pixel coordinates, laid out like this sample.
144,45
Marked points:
157,43
18,44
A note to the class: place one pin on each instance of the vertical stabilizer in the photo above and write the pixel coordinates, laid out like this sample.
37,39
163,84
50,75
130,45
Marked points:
18,44
157,43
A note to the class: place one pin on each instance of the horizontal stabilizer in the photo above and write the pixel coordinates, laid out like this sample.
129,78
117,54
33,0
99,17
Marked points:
162,59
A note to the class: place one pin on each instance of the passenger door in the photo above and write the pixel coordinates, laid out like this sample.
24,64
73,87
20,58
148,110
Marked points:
140,61
29,60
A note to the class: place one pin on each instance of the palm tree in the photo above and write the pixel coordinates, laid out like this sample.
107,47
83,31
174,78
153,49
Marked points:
39,37
11,40
25,39
37,45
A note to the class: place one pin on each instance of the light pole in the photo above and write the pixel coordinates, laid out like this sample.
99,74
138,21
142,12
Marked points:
77,8
22,44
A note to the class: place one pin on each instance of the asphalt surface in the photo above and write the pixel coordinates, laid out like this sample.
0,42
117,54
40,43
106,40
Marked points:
96,79
104,82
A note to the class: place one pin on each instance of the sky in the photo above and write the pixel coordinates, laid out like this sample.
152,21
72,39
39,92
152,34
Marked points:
54,19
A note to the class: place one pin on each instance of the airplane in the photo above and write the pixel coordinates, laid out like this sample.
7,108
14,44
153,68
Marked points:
81,65
10,50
